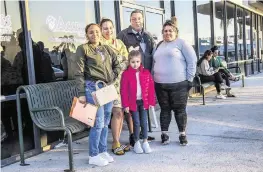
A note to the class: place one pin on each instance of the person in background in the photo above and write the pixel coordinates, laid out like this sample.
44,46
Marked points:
96,61
46,63
137,95
46,55
216,63
136,36
208,74
20,61
107,29
174,69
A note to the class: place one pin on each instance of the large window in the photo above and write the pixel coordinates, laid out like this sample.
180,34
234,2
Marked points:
260,25
254,36
167,8
248,34
154,24
61,27
240,22
155,3
219,26
184,14
11,78
11,54
230,32
107,10
204,25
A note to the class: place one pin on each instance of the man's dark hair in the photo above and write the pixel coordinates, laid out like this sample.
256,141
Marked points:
214,48
41,45
136,11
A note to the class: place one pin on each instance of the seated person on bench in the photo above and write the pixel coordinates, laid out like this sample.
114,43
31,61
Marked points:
217,63
208,74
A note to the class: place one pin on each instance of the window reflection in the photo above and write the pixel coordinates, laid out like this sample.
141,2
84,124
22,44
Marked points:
240,33
10,29
204,29
11,78
248,34
107,10
230,32
184,12
62,27
167,8
219,26
156,20
260,37
254,37
155,3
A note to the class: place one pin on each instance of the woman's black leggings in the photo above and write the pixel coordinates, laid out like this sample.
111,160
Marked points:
173,97
216,78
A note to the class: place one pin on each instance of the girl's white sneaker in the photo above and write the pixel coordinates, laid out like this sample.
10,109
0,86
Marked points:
137,147
146,147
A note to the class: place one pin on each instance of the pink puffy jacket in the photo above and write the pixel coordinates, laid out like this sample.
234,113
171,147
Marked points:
129,88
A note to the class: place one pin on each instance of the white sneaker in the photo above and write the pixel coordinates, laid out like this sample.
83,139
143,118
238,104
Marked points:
220,96
137,147
225,87
146,147
98,160
106,155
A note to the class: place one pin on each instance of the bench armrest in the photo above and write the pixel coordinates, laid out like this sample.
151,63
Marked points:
235,67
51,109
198,80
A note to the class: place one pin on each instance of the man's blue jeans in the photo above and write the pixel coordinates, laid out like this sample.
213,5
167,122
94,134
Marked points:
139,118
99,133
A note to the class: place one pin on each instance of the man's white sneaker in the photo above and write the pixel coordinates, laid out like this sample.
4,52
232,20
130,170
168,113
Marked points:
146,147
220,96
137,147
98,160
106,155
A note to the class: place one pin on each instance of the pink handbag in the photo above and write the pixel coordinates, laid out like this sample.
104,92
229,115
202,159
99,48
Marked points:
85,113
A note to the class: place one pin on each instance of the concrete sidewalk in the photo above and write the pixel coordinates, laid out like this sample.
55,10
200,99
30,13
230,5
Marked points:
224,136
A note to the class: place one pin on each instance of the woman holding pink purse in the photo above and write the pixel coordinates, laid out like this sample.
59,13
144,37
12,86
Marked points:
96,62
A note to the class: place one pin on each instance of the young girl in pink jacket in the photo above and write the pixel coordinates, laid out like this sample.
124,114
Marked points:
137,95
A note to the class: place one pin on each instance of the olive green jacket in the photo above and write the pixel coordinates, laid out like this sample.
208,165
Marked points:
95,64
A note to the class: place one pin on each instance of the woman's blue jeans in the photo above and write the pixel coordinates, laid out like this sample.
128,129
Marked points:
99,133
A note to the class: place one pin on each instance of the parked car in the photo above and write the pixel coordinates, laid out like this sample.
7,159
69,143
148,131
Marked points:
59,74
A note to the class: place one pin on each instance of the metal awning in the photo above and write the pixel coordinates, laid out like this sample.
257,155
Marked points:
205,9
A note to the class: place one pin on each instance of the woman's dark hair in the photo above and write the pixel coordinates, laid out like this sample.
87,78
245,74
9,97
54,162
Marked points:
103,20
89,25
207,53
214,48
172,23
133,53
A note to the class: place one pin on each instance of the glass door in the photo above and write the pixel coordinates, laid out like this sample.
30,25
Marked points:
153,18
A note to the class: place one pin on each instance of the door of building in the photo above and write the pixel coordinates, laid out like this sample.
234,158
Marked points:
153,18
